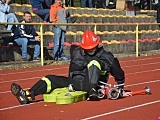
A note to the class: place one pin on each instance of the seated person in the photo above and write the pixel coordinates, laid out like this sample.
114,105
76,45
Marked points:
112,4
48,3
5,15
89,3
89,64
25,35
41,8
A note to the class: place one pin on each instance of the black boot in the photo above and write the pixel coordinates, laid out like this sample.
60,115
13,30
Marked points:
19,93
93,95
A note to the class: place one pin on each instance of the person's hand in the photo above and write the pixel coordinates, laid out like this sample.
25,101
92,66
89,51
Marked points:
126,94
7,1
37,38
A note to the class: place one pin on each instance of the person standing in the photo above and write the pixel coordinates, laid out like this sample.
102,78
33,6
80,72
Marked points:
25,35
89,3
6,16
58,14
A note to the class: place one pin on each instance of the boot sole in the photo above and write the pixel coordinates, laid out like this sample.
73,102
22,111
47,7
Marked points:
15,88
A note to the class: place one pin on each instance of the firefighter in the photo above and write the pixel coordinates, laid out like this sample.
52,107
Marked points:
89,64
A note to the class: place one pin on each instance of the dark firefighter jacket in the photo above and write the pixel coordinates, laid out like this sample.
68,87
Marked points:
109,64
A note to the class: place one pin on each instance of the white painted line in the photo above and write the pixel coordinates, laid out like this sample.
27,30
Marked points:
116,111
140,59
35,103
68,67
153,81
143,71
34,71
66,74
143,83
148,64
10,91
20,79
17,106
38,77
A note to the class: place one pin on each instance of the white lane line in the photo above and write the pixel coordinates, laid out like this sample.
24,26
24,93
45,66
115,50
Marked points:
143,71
126,66
27,79
153,81
116,111
142,83
35,103
67,67
35,71
124,86
17,106
10,91
20,79
66,74
140,59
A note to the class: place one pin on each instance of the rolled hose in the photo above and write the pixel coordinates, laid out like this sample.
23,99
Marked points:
101,93
113,94
63,96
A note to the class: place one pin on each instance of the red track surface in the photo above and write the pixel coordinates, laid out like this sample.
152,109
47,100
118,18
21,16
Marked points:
140,72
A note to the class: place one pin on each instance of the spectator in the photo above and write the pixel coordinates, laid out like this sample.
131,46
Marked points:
112,4
158,12
26,2
42,9
89,3
25,35
5,15
48,3
137,5
89,65
100,3
58,14
69,3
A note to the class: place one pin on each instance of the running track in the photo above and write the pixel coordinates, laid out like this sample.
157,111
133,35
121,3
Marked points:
140,72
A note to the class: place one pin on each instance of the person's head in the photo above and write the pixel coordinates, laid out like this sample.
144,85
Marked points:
58,2
90,42
27,16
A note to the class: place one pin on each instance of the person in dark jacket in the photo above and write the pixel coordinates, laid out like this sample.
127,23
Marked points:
25,35
158,12
89,64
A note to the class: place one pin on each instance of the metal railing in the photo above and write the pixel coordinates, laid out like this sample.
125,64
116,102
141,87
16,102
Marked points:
83,24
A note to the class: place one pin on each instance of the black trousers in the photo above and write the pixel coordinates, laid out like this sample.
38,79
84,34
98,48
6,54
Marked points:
79,82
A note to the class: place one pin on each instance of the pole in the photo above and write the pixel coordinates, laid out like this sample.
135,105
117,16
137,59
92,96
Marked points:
95,28
41,32
137,40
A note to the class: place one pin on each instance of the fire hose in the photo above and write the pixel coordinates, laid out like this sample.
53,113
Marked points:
113,93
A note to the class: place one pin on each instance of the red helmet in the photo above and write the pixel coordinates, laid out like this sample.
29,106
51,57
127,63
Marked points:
89,40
